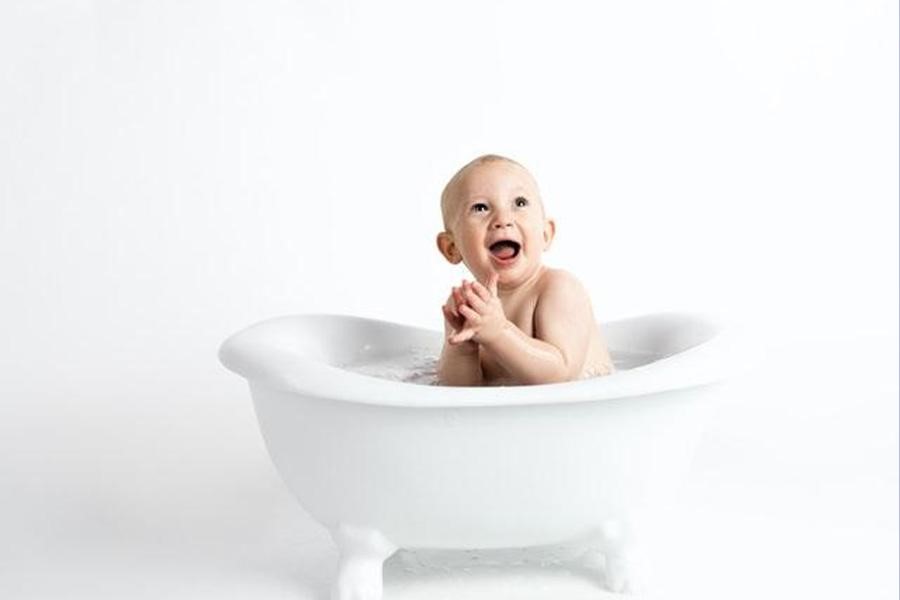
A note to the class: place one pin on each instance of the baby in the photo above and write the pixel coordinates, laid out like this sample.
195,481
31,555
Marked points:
519,322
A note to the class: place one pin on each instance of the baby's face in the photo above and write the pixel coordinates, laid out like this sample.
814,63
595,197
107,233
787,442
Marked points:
496,223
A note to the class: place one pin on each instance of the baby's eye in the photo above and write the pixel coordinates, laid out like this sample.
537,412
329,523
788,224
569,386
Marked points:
521,201
479,207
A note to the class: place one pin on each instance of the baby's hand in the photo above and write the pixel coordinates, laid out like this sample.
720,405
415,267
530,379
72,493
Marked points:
483,312
454,321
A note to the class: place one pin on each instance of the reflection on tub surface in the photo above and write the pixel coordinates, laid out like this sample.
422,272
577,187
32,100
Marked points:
420,365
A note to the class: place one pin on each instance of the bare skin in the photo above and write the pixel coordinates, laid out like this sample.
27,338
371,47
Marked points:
519,322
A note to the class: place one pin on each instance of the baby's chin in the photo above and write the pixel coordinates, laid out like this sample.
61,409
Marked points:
515,275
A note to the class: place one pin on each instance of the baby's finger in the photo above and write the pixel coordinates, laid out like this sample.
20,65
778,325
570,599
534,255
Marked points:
473,299
482,291
452,302
458,298
469,313
454,319
448,314
492,282
463,336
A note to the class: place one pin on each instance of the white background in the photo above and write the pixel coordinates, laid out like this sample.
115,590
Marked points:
173,171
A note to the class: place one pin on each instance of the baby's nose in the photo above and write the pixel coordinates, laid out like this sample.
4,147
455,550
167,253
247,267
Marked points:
501,223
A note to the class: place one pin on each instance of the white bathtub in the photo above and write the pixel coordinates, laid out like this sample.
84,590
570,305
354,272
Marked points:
386,464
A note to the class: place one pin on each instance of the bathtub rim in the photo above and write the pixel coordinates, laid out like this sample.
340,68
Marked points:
712,361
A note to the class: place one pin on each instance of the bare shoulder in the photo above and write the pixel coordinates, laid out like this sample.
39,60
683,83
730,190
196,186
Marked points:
559,283
561,293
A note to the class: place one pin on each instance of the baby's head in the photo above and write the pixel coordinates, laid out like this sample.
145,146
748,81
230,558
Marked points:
494,221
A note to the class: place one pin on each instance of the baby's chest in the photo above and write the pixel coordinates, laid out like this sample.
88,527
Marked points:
522,316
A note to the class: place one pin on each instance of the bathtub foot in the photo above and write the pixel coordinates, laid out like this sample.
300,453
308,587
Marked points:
614,554
618,572
362,555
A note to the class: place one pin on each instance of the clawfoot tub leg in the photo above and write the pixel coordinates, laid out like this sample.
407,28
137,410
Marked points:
614,553
619,571
362,555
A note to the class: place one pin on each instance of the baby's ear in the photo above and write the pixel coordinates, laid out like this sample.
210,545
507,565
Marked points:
447,247
549,232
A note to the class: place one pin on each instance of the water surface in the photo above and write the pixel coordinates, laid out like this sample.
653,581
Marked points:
420,366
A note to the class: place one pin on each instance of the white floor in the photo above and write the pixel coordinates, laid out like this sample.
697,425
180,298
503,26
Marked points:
794,494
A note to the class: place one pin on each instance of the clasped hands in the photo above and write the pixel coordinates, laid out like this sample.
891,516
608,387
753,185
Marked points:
474,313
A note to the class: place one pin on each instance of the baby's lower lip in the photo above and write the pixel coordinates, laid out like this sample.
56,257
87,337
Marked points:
506,261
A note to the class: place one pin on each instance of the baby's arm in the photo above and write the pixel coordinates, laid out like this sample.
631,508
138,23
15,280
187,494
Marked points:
563,322
460,363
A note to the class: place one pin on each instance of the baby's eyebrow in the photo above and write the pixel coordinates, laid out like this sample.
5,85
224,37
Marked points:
517,190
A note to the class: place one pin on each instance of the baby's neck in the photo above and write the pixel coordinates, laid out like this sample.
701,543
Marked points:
506,293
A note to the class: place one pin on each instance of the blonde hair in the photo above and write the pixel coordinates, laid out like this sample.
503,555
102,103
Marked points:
446,193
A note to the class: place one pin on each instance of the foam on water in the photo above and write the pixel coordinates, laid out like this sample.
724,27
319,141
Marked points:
420,365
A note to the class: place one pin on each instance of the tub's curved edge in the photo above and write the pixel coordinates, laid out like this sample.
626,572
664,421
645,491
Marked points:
249,352
717,359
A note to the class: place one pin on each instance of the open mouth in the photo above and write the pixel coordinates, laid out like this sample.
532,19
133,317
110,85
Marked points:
505,250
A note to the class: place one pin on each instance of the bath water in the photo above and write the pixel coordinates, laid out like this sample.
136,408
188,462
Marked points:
419,365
